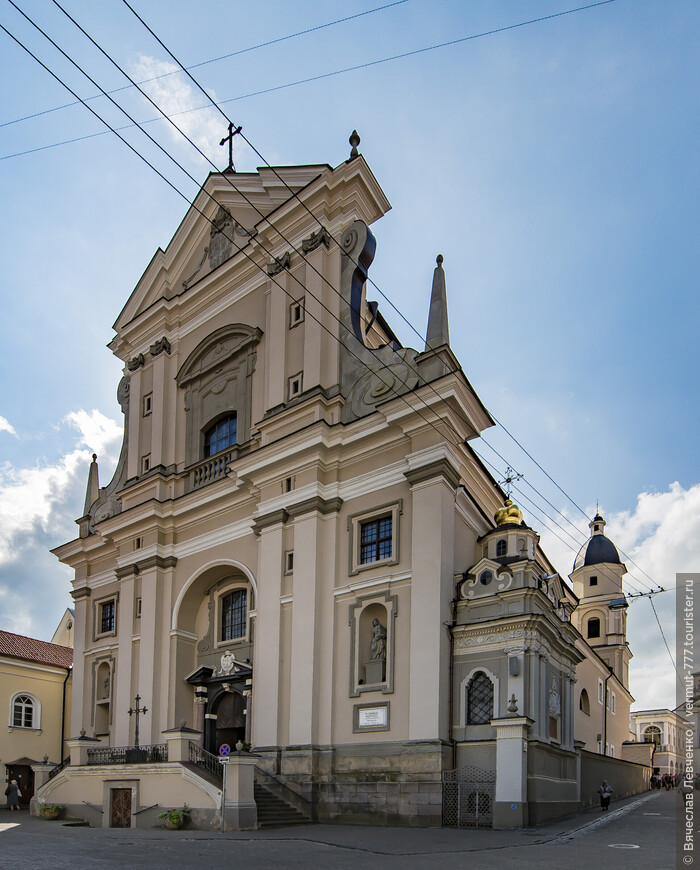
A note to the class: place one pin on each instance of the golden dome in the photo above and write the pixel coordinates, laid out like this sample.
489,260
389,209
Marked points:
509,513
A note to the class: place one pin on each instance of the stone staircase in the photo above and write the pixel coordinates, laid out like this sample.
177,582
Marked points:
273,812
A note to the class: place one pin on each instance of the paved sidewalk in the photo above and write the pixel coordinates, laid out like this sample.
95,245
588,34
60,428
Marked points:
381,840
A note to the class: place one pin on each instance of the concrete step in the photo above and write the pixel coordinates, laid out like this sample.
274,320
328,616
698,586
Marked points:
275,812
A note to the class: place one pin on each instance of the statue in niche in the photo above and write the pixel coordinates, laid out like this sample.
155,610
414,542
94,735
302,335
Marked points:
554,700
378,645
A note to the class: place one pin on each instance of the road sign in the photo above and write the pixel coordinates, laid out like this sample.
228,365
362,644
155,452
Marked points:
224,760
224,749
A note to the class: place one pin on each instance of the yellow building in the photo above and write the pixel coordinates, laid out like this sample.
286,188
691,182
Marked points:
35,683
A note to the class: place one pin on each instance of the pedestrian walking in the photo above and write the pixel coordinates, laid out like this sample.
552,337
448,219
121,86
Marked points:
13,794
605,791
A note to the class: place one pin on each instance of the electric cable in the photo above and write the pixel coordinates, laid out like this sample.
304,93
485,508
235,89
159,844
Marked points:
441,420
206,62
457,444
250,144
298,252
312,78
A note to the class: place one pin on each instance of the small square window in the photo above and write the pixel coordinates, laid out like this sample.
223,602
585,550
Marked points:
147,404
145,463
593,581
138,543
289,562
138,608
294,386
296,313
288,484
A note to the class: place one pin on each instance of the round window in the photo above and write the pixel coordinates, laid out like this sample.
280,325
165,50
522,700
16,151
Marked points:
486,577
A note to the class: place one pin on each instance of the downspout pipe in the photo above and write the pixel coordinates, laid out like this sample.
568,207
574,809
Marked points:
69,671
605,711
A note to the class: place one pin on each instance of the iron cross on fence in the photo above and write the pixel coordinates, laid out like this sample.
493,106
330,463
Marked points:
231,133
137,711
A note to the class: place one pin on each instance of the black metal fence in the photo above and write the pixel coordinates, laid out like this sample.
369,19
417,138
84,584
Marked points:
205,760
155,754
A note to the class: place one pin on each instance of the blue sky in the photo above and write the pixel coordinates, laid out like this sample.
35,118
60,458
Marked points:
553,165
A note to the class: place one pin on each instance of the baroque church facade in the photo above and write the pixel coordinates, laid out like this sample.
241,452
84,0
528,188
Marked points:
300,552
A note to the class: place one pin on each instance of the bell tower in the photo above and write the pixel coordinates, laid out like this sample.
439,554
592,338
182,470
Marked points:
601,615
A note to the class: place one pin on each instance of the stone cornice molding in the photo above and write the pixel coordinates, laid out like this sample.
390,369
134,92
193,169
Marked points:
265,521
439,468
323,506
81,592
161,562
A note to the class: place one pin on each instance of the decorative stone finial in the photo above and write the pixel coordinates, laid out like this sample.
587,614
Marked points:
354,140
513,704
183,723
82,732
94,457
438,333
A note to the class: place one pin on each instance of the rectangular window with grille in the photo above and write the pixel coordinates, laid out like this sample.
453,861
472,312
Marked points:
234,612
107,612
376,540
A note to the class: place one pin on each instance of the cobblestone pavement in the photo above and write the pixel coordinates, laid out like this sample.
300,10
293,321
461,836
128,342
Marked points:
637,833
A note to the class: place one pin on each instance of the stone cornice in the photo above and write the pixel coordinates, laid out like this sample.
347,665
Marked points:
438,468
274,518
81,592
161,562
316,503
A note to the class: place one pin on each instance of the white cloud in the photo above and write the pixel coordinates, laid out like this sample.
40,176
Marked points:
659,539
174,96
33,499
6,426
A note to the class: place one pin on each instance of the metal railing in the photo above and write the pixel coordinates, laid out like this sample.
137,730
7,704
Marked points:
201,758
155,754
59,767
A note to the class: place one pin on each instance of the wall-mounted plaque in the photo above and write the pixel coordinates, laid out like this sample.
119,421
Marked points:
370,717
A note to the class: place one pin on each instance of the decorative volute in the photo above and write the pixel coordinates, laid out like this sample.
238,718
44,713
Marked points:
438,328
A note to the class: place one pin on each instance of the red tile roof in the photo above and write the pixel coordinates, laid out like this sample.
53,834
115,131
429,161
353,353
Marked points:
17,646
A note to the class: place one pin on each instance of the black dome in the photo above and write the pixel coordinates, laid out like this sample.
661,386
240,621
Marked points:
596,550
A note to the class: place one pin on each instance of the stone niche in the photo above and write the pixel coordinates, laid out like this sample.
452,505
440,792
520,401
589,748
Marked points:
372,639
216,380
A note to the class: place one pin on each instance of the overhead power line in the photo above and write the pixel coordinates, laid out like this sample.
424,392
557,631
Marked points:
456,444
310,79
201,63
304,205
294,194
234,186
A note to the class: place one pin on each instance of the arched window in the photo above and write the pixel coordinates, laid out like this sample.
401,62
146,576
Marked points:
23,712
652,734
221,435
593,627
479,700
501,549
584,703
234,613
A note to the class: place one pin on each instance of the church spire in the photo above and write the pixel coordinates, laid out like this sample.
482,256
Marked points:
438,330
93,486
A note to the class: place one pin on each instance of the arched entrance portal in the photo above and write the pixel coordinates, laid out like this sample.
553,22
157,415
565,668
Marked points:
225,722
